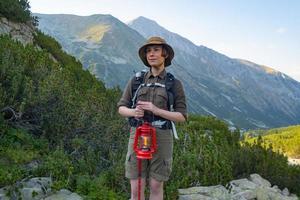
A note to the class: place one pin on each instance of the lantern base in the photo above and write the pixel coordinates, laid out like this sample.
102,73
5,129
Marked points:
144,155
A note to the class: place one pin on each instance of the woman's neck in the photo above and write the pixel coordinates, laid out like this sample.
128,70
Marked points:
157,70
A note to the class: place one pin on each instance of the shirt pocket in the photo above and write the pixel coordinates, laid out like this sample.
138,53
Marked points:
143,94
161,99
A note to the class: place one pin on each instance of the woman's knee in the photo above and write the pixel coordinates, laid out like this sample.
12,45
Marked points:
156,186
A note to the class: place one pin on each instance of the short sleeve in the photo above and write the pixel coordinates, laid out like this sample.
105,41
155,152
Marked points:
179,99
126,96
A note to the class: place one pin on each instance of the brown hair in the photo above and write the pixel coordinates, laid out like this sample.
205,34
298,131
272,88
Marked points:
164,52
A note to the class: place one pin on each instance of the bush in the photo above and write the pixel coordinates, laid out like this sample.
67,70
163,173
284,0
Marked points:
16,10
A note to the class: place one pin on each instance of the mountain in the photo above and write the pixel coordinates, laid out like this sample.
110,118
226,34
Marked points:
240,92
102,43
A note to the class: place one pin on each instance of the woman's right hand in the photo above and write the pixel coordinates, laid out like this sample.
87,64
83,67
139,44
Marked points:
138,112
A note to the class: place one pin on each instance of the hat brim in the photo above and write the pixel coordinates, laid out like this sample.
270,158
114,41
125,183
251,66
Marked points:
168,60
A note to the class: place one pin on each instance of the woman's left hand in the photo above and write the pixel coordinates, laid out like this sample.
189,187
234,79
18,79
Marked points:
147,105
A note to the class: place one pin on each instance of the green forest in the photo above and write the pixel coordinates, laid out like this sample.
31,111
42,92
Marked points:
283,140
58,116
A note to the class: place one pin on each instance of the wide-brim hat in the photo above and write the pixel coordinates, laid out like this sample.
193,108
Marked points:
156,41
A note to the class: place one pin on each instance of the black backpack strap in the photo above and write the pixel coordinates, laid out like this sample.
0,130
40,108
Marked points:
170,80
137,83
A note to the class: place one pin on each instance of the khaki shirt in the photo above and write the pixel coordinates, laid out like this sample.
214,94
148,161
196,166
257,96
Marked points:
157,95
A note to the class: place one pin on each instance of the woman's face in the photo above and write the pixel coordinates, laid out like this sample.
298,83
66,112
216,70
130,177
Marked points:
154,56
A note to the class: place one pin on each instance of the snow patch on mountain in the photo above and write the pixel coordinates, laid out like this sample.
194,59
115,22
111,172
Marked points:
209,112
227,97
237,109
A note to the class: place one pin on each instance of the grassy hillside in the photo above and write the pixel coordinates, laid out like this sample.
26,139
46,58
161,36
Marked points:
284,140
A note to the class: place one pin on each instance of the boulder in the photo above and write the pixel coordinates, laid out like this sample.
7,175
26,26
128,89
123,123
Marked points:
258,180
64,195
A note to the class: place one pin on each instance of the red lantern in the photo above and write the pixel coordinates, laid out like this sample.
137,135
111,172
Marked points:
145,141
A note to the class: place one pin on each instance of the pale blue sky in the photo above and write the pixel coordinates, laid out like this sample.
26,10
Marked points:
266,32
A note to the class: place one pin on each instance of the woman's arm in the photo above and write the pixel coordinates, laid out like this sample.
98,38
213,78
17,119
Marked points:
173,116
131,112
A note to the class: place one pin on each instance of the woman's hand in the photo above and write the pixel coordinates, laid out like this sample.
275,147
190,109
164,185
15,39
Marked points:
146,105
138,112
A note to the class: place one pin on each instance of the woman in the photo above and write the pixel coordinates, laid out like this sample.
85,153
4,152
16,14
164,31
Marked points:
151,105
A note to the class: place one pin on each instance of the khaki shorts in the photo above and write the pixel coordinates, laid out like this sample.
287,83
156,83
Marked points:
160,166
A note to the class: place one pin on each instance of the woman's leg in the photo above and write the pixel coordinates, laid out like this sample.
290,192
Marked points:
134,189
156,189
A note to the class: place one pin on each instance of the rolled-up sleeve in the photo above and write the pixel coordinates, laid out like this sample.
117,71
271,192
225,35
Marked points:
179,99
126,96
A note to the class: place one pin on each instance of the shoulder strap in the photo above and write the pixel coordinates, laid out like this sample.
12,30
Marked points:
138,80
170,80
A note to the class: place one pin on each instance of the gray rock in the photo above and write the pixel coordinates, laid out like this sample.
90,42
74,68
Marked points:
18,31
195,197
247,194
214,192
237,197
65,191
63,196
285,192
234,189
241,189
39,181
258,180
275,187
244,184
262,194
32,193
272,194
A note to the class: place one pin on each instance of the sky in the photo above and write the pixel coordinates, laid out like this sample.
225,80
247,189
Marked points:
265,32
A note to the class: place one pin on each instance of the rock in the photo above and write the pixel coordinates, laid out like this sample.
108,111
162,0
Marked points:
212,192
247,194
258,180
195,197
243,184
275,187
24,33
241,189
237,197
44,182
64,195
65,191
218,192
32,193
262,194
285,192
